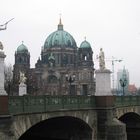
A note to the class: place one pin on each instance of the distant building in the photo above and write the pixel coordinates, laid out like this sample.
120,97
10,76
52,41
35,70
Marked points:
122,74
63,69
132,89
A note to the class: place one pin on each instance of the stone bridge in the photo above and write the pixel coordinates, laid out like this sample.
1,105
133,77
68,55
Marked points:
70,117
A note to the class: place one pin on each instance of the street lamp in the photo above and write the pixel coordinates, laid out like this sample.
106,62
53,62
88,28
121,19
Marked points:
113,72
70,79
123,83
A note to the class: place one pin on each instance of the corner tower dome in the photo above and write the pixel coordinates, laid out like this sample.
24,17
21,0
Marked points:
60,38
85,44
22,48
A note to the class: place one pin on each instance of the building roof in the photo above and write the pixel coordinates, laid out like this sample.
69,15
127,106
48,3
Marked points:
22,48
85,44
60,38
132,88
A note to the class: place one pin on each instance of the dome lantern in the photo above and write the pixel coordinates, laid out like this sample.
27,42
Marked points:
60,25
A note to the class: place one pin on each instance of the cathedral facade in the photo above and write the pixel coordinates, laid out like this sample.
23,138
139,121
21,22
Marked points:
63,69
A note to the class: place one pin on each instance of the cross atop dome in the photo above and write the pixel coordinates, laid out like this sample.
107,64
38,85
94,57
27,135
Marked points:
60,25
85,38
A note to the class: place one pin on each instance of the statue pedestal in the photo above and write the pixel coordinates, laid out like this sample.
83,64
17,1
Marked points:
2,90
103,83
22,89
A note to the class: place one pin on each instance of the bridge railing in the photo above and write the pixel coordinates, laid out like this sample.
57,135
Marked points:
122,101
44,103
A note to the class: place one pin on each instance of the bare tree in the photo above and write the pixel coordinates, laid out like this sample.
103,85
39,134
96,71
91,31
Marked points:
8,73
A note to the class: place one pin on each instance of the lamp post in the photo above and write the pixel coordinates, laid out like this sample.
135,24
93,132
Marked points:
113,75
70,79
123,83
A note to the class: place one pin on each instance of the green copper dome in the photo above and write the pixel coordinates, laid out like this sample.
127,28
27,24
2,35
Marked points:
60,38
22,48
85,44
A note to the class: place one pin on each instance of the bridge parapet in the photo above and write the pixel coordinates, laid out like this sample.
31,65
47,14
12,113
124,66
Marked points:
123,101
44,103
101,109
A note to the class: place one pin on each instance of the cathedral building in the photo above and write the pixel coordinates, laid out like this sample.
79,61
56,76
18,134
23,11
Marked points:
62,69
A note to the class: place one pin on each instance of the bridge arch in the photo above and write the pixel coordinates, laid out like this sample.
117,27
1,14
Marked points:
132,121
56,128
23,122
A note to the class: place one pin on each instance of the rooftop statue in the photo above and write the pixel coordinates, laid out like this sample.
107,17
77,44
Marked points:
101,59
4,27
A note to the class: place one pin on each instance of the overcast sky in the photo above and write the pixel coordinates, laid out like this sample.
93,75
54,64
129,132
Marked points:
113,25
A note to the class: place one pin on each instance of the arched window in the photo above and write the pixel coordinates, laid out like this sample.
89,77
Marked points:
85,58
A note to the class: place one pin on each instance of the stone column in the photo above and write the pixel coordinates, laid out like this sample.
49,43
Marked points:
109,128
103,82
6,130
2,57
22,89
116,130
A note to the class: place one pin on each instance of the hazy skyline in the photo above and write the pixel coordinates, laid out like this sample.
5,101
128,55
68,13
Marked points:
113,25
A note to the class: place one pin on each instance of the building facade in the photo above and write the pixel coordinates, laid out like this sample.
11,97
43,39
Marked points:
63,68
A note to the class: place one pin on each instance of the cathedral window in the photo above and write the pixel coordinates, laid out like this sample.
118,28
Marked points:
85,58
71,59
58,58
56,42
65,59
20,60
69,43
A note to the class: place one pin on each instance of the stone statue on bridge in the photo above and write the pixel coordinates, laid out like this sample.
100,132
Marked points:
22,85
22,78
1,46
102,75
101,59
4,27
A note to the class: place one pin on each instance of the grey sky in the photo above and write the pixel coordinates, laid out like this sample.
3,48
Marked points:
113,25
